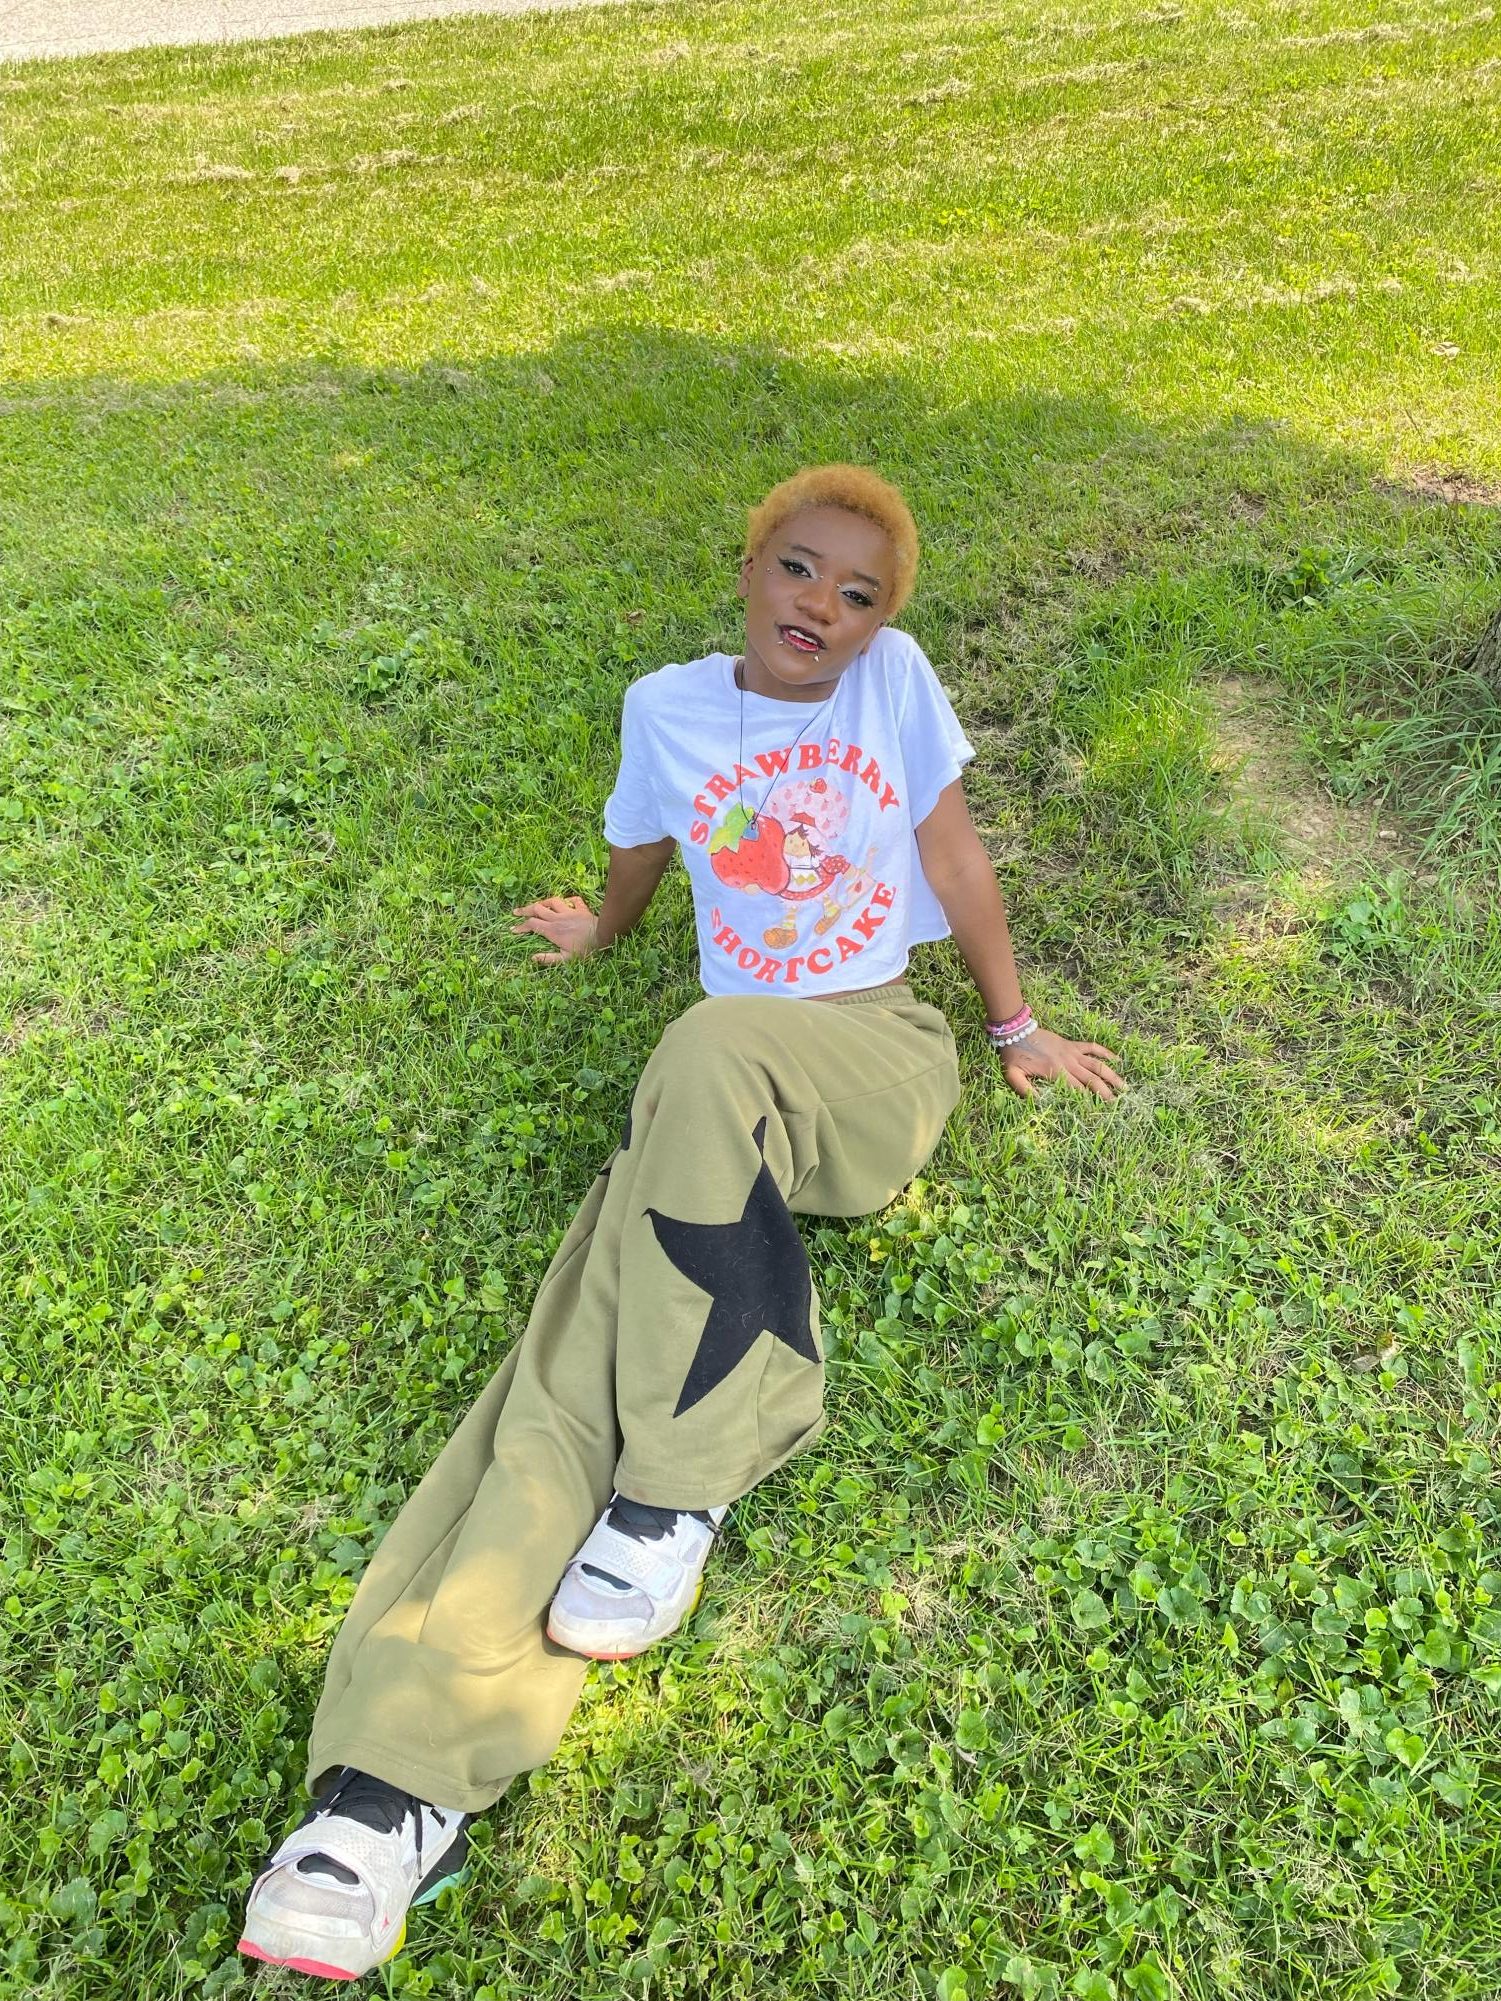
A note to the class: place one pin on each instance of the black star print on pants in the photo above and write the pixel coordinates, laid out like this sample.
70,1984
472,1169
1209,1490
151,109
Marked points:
756,1272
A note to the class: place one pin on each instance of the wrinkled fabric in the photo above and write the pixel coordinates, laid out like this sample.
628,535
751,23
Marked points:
672,1353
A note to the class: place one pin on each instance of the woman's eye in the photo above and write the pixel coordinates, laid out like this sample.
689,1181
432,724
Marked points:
796,569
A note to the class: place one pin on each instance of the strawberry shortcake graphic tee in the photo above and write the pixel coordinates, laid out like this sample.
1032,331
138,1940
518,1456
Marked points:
800,840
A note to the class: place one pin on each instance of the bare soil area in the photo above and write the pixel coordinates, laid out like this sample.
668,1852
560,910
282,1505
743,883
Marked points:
1272,794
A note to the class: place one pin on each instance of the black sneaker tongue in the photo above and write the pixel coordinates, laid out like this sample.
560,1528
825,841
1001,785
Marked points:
642,1524
374,1804
639,1522
645,1524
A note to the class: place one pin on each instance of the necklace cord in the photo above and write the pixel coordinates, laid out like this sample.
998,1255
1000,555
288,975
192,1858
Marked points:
740,756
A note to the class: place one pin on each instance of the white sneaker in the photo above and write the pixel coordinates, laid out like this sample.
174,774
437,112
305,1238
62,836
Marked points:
635,1580
333,1899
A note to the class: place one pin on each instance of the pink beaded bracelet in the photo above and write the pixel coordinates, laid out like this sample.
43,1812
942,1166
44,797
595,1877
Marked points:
1009,1027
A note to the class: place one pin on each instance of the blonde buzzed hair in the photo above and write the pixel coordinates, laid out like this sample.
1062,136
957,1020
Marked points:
858,491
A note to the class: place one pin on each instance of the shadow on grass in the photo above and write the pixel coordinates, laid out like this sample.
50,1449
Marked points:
383,620
312,675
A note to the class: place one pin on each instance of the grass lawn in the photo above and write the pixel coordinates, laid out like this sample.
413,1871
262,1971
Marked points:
375,408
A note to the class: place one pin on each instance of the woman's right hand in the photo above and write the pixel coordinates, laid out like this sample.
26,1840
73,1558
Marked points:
566,920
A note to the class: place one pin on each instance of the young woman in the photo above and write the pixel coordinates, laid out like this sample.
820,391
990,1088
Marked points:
672,1357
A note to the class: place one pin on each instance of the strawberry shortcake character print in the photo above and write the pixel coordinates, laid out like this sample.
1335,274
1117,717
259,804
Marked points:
795,856
794,850
814,815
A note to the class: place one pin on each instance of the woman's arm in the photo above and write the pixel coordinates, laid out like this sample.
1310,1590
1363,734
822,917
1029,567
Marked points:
962,877
632,882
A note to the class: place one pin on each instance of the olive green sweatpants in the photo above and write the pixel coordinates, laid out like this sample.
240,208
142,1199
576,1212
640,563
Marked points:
672,1354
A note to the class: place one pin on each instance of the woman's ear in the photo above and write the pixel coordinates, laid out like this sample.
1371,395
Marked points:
742,587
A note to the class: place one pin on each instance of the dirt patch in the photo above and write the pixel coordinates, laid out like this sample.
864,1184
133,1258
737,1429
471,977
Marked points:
1451,487
1103,566
53,1017
22,910
1270,791
26,1024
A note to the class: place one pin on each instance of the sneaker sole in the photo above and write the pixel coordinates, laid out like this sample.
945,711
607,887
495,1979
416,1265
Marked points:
631,1653
318,1967
428,1893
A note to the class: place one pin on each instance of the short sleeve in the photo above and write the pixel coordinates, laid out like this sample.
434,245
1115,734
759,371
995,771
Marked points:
934,747
633,811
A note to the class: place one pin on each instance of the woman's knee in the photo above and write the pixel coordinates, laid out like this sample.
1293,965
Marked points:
716,1034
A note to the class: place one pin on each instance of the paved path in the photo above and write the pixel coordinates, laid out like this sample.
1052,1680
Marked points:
86,27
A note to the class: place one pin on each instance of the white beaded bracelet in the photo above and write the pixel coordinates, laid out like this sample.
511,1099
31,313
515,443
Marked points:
1018,1035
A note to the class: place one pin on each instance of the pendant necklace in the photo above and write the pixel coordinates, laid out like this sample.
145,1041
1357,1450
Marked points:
750,826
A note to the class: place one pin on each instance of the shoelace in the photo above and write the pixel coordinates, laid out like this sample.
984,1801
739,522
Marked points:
641,1523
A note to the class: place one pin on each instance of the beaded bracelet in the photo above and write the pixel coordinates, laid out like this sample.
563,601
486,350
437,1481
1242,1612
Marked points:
1010,1041
1006,1034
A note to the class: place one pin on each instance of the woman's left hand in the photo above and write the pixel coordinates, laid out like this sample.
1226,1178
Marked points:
1084,1065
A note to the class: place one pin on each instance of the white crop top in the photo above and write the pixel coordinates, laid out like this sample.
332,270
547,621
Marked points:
825,892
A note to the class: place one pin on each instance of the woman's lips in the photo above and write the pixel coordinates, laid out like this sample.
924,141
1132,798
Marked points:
798,640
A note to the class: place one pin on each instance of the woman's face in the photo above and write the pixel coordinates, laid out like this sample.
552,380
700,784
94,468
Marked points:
815,595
